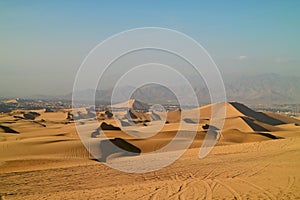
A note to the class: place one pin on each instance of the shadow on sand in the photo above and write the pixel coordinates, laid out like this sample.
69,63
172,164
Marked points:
117,147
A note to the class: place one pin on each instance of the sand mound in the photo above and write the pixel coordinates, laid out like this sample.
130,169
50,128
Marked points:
131,104
105,126
11,101
133,115
259,116
237,136
6,129
174,116
117,147
234,109
31,115
243,124
285,119
206,111
249,161
239,117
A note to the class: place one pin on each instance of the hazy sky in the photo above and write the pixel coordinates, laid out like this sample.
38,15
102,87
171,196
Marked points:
42,43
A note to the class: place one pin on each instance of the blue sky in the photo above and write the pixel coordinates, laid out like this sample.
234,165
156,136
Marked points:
45,42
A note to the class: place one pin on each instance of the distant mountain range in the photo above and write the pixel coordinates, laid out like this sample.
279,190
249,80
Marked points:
265,89
259,89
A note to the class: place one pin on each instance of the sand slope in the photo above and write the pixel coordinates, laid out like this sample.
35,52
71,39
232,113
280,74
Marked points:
256,157
268,170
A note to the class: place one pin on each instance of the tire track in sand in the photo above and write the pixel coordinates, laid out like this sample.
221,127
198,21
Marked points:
230,189
268,194
189,186
291,182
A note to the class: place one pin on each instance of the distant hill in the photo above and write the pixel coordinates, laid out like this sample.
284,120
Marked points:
149,94
264,89
259,89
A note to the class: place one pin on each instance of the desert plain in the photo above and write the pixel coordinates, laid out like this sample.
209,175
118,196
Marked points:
256,157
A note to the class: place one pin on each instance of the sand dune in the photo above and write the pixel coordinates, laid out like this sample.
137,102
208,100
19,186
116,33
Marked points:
174,116
243,124
234,109
231,111
6,129
255,157
131,104
285,119
268,170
